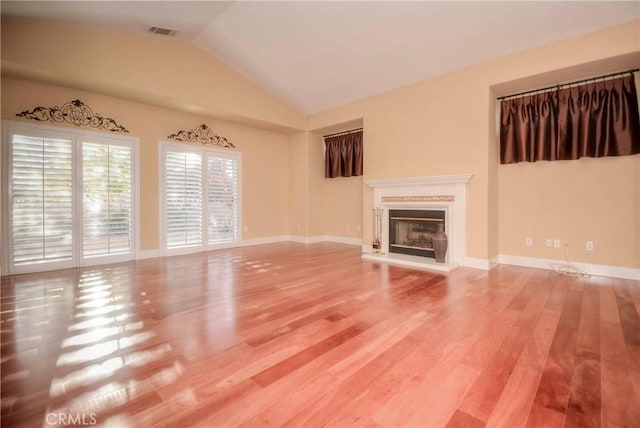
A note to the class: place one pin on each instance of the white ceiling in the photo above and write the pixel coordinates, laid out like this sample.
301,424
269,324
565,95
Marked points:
315,55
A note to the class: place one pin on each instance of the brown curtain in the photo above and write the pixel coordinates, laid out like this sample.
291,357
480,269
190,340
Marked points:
595,119
599,119
528,128
343,155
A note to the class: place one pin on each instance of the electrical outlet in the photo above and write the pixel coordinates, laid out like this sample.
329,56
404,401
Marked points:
548,243
347,226
358,227
528,241
556,243
246,228
588,246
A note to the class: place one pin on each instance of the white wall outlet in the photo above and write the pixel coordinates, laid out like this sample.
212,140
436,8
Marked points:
528,241
246,228
548,243
299,226
556,243
358,227
347,226
588,246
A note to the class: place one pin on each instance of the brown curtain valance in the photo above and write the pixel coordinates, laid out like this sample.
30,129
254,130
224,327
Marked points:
343,155
594,119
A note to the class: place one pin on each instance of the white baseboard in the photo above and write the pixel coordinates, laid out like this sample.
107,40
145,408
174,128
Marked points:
325,238
151,254
306,239
484,264
591,269
299,239
343,240
265,240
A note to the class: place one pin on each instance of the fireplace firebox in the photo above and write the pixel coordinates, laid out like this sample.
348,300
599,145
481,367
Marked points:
411,231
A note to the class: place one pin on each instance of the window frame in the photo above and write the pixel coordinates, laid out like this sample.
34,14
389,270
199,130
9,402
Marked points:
77,137
204,152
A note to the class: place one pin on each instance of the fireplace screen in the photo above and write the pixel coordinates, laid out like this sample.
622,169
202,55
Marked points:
412,231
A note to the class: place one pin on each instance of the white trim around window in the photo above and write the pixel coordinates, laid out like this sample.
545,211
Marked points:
71,143
200,210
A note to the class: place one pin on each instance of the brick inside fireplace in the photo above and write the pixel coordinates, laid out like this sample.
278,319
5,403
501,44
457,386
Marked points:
411,231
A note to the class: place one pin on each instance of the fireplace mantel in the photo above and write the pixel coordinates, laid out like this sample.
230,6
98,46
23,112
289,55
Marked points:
440,192
420,181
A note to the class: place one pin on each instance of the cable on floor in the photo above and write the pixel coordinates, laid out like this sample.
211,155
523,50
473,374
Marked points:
568,269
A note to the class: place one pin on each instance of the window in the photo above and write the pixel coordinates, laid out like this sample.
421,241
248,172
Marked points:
201,198
343,154
591,118
107,185
69,199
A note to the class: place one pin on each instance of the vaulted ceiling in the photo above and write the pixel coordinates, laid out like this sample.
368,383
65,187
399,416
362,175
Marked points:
315,55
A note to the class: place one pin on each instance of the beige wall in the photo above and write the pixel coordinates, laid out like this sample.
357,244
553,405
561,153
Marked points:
265,154
299,184
575,201
148,68
321,206
316,189
336,203
342,214
446,125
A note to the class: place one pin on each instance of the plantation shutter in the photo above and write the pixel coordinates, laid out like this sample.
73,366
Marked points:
42,199
107,205
69,198
183,199
222,209
201,198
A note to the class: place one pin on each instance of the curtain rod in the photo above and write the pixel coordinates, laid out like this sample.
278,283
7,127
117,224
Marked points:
342,133
621,73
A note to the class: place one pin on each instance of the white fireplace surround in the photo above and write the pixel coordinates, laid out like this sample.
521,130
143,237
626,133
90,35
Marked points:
443,192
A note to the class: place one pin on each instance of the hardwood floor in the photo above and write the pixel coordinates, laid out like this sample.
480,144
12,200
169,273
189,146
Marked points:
294,335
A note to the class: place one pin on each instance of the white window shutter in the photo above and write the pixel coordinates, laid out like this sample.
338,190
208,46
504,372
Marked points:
201,197
42,199
183,199
71,198
222,200
107,205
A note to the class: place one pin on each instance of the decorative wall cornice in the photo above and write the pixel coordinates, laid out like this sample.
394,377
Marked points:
203,135
75,112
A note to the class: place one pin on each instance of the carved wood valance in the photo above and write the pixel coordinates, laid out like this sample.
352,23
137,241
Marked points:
203,135
75,112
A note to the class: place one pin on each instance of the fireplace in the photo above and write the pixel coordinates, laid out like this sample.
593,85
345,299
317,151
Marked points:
408,212
411,231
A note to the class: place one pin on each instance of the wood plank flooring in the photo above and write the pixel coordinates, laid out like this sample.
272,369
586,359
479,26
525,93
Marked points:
295,335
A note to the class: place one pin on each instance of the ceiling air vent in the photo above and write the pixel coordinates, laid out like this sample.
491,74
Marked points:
162,31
